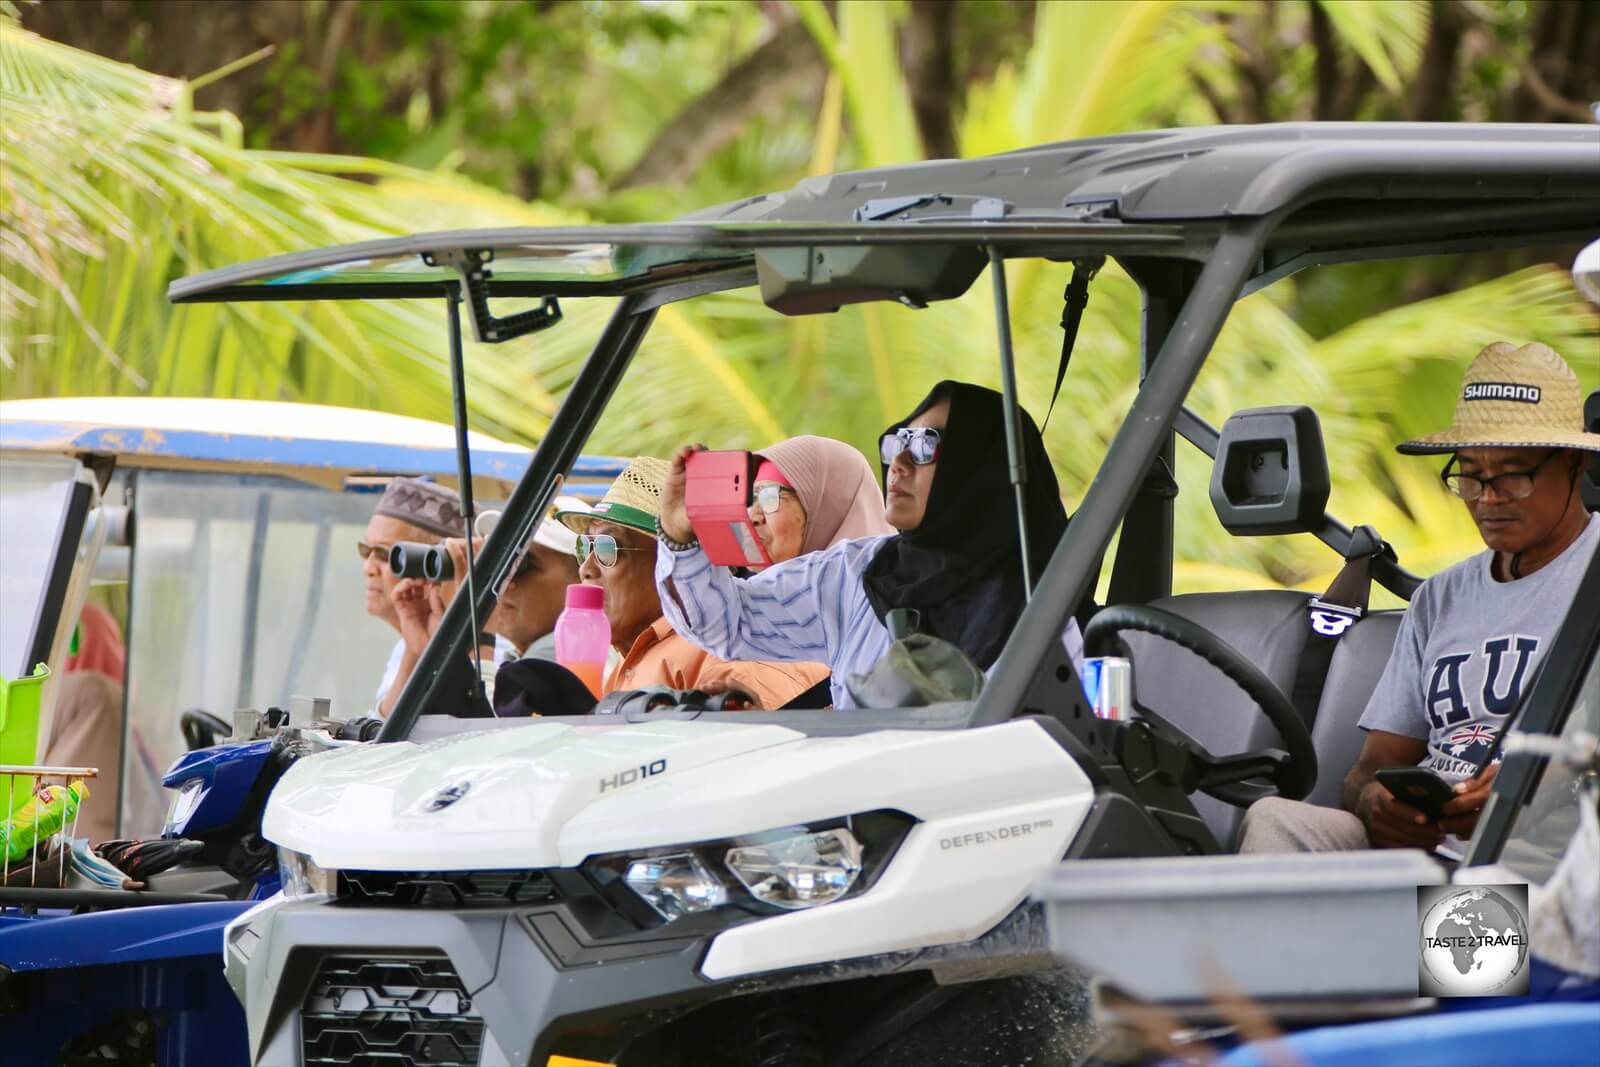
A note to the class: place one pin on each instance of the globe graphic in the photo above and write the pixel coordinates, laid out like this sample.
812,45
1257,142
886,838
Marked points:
1468,962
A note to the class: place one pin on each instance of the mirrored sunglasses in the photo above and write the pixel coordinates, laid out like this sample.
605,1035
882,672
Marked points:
604,547
922,442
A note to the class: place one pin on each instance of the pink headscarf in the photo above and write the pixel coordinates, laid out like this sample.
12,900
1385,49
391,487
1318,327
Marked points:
836,486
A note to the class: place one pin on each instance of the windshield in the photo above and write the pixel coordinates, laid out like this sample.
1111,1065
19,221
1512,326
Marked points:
1545,826
35,494
246,591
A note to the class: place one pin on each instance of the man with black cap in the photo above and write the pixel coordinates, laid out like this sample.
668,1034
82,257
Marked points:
1473,634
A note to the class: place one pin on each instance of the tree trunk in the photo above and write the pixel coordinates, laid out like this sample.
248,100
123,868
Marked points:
1433,96
786,64
1325,49
931,70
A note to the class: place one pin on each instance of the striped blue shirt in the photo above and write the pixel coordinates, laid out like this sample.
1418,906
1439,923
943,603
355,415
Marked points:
812,608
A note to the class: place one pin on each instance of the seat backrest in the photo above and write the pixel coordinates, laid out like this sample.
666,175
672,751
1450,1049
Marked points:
1358,662
1268,627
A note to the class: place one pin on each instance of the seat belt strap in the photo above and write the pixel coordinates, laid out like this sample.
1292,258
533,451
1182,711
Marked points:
1332,615
1073,300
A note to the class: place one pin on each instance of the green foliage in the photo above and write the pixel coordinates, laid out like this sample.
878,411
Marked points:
113,184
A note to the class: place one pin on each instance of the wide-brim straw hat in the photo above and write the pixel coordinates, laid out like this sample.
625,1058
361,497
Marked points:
634,499
1513,398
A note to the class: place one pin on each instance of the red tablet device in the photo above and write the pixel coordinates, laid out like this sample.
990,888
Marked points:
717,497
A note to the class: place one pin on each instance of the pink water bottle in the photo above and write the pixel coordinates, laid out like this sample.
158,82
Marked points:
583,636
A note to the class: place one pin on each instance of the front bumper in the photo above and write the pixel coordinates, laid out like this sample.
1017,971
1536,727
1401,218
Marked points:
494,987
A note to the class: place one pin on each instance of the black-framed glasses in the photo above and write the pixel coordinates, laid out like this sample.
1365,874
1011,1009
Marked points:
921,441
1514,485
769,498
366,549
604,547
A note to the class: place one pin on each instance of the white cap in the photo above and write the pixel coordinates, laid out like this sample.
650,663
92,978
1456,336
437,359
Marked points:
552,534
549,533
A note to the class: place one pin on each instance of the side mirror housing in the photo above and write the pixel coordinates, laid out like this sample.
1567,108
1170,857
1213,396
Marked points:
1271,472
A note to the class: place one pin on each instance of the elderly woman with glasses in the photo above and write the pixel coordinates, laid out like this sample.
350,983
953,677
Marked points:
810,493
956,559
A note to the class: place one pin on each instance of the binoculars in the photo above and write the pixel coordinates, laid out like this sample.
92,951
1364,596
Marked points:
432,563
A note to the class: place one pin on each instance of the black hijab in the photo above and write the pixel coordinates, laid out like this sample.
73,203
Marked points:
961,568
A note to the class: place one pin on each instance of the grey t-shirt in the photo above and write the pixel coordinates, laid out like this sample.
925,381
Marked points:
1466,652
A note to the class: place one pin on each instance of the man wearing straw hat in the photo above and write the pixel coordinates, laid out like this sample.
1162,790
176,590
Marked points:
617,552
1472,636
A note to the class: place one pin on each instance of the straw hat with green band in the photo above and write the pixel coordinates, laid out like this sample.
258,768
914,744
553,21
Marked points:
634,499
1513,398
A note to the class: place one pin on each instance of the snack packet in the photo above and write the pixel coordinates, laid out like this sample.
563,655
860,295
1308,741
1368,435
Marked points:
45,813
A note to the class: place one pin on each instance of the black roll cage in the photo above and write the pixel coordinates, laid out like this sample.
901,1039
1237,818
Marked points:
1184,308
1198,218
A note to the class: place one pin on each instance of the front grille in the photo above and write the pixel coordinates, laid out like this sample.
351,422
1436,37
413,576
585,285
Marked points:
445,889
389,1013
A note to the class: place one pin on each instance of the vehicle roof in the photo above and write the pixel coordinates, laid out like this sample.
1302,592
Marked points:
314,442
1219,172
1353,190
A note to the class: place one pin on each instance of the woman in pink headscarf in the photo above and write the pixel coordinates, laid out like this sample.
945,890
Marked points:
812,492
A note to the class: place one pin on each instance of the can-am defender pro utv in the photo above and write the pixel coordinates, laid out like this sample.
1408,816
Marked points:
692,887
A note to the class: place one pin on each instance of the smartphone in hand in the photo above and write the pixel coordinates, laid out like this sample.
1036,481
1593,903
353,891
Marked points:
717,497
1419,787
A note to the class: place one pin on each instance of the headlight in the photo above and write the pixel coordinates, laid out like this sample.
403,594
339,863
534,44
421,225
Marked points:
184,802
799,870
791,868
676,884
302,878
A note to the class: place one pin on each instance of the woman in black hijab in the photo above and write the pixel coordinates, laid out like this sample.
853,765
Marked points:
957,559
960,566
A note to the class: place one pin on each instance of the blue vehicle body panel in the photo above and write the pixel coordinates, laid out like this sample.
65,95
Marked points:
164,931
1533,1035
228,772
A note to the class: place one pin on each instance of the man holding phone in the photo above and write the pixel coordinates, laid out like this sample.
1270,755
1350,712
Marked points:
1471,639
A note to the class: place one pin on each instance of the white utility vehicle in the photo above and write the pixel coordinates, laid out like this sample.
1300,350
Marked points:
690,887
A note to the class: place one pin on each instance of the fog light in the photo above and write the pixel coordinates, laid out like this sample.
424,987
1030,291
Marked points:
799,871
676,885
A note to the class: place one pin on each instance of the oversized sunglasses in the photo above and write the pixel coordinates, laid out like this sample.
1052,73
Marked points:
604,547
367,549
769,498
1513,485
921,441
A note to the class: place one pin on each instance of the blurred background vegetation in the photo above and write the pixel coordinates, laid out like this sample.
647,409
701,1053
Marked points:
147,139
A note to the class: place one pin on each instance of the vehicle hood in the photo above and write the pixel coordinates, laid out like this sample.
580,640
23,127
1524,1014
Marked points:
493,798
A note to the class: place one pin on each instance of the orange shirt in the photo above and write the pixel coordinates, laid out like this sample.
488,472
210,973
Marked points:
660,656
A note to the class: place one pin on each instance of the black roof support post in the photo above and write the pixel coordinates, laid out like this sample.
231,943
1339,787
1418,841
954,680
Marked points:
586,399
1143,568
458,403
1016,464
1016,688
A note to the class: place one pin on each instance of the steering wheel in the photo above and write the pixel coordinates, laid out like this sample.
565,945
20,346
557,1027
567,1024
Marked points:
200,728
1292,773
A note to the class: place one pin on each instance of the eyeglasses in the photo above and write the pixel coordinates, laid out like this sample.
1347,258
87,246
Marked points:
368,549
1514,485
921,441
769,498
604,547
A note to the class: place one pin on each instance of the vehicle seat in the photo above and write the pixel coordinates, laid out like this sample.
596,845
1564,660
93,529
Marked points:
1268,627
1353,673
